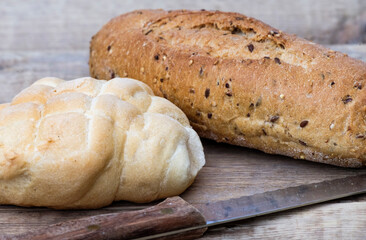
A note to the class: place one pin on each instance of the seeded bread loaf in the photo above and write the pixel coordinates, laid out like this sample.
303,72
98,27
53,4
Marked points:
85,143
243,82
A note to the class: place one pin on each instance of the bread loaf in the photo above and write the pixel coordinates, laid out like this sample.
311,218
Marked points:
243,82
85,143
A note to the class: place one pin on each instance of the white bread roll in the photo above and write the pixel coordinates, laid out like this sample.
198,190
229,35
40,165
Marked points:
85,143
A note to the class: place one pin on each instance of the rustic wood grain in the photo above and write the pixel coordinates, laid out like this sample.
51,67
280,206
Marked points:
230,172
43,38
20,69
325,221
66,25
233,171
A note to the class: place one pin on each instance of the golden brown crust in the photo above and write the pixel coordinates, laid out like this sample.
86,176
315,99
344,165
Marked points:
243,82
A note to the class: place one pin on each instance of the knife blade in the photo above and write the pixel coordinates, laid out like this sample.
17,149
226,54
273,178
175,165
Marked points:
176,218
280,200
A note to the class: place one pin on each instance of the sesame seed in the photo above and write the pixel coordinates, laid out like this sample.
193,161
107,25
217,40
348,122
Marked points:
207,93
229,94
113,74
302,143
264,132
274,118
346,99
357,85
147,33
201,72
250,47
360,136
304,123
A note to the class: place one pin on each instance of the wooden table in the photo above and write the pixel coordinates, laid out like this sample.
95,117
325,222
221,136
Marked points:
230,171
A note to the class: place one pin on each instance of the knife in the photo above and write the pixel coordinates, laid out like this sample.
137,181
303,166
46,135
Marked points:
175,218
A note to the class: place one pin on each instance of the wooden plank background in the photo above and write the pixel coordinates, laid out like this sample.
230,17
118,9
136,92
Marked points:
41,38
69,24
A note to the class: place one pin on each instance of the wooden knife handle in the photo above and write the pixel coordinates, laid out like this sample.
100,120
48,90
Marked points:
172,214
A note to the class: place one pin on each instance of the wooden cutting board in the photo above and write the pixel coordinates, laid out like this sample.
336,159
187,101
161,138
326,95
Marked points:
230,171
